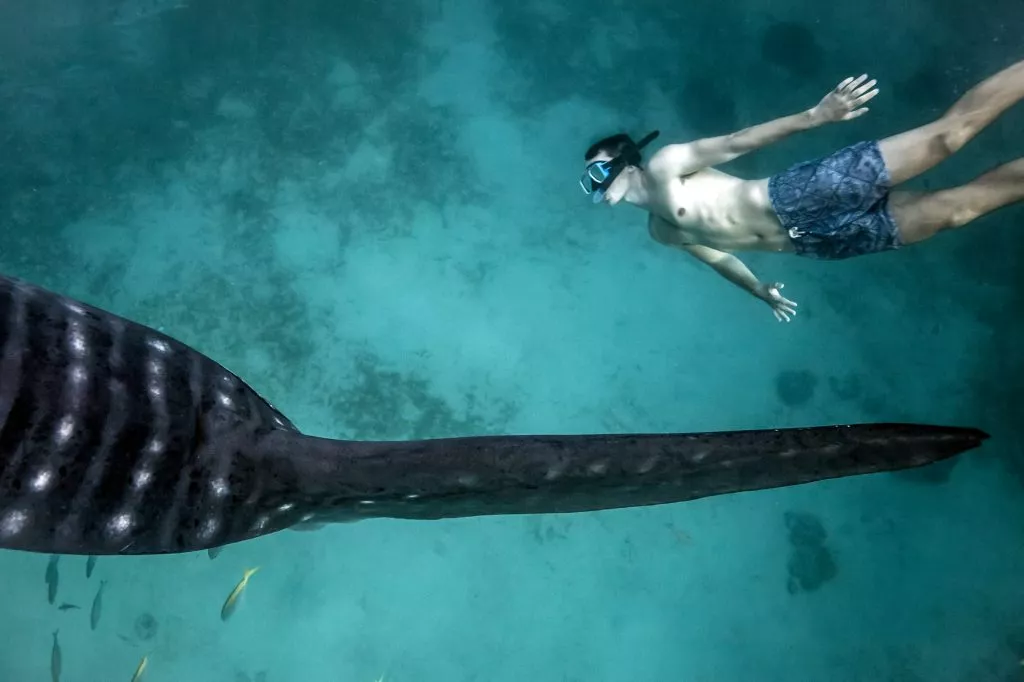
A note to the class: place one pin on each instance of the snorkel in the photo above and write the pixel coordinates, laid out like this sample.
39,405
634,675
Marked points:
599,175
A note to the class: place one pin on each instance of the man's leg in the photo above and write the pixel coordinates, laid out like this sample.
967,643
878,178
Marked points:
911,153
921,215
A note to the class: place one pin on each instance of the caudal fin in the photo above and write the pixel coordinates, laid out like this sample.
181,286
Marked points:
477,476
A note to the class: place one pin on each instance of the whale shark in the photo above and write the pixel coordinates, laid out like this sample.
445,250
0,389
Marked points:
118,439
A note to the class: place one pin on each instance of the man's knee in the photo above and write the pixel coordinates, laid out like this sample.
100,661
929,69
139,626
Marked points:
957,132
959,217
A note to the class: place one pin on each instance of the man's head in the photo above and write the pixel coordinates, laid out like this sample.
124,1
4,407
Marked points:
610,164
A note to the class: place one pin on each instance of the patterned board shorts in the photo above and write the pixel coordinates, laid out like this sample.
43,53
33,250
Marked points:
837,206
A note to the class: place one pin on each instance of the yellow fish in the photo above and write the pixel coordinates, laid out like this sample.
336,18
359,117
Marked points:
138,671
232,601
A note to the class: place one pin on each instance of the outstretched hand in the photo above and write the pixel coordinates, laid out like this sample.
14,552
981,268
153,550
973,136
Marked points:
845,102
781,306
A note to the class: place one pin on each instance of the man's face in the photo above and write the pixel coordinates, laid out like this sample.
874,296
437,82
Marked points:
620,184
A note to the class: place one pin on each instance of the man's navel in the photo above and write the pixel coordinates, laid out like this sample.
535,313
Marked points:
680,212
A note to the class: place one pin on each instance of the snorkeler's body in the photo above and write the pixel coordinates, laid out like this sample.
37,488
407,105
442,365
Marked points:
839,206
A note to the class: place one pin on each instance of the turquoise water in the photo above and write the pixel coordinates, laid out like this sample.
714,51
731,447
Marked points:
370,212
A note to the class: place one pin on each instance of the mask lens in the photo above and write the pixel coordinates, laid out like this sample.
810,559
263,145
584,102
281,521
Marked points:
595,174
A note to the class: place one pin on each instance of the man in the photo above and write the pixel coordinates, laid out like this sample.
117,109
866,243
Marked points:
835,207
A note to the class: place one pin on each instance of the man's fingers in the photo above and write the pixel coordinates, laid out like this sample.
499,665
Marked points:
861,99
845,82
856,81
782,313
864,88
856,113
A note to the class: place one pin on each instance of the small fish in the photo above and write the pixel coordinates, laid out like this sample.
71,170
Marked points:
55,659
232,601
90,564
214,552
68,607
97,606
138,671
52,578
51,569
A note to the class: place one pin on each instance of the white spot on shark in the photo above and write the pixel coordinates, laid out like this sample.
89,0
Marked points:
700,456
158,345
156,368
554,473
142,478
120,524
219,486
223,399
41,481
77,339
648,465
208,528
65,429
13,522
79,374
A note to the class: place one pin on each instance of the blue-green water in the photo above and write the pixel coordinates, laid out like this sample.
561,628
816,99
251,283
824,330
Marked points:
370,212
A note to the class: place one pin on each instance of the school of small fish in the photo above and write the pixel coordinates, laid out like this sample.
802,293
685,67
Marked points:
52,578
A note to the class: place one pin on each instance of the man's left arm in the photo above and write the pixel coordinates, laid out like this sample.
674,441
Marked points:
841,104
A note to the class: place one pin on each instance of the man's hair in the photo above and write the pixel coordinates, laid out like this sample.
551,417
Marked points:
613,145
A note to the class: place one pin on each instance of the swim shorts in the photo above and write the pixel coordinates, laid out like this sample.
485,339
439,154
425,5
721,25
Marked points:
837,206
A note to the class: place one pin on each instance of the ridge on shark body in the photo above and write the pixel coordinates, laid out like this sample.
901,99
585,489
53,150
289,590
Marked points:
118,439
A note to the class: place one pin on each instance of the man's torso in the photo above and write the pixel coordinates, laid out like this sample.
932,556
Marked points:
717,210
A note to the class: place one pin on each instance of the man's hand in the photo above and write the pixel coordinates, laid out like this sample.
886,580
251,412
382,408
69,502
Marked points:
781,306
844,103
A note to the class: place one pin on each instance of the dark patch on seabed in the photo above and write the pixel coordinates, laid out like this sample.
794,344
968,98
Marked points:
792,46
135,111
795,387
145,627
272,319
811,563
383,404
242,676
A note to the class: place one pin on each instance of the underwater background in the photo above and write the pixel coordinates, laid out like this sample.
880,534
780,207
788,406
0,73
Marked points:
370,212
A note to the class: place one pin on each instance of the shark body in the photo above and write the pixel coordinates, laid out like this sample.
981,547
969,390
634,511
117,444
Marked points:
118,439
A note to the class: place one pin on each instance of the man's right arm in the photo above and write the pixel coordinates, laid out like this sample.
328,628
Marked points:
728,266
731,268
